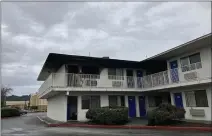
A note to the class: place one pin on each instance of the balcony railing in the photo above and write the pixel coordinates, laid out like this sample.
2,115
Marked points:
190,67
108,81
64,80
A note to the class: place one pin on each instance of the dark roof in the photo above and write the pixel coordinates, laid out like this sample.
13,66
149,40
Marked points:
54,61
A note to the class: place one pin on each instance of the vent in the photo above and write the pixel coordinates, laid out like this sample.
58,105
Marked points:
117,84
190,76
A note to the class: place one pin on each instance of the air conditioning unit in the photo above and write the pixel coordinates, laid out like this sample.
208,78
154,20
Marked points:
91,83
190,76
117,83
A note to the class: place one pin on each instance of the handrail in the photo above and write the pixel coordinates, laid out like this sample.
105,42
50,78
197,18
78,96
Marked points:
190,67
112,81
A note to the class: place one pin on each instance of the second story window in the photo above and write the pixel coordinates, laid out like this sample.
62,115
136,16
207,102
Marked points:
191,62
115,74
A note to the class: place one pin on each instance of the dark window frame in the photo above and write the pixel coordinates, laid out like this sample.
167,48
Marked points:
195,95
113,72
89,101
185,68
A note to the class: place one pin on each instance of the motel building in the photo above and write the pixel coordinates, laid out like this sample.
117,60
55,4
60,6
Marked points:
180,76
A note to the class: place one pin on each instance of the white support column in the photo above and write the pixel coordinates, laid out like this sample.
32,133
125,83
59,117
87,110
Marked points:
79,107
104,100
126,101
137,106
135,78
119,100
172,98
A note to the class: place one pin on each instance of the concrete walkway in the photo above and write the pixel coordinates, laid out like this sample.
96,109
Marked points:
132,122
136,123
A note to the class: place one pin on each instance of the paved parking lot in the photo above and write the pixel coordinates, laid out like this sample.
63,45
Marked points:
29,125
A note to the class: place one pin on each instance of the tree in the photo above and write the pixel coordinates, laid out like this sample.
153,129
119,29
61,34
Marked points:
4,92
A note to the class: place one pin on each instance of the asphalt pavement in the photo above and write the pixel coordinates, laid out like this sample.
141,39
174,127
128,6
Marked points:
29,125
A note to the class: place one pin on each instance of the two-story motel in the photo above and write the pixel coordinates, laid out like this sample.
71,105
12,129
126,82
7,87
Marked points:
180,76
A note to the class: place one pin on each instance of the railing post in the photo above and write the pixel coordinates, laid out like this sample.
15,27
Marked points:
135,82
151,81
90,80
52,79
164,80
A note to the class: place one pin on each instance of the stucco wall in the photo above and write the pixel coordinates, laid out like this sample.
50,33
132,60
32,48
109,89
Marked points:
202,73
105,82
57,107
60,77
103,102
207,116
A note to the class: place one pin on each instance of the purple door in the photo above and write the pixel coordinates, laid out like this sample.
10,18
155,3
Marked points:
142,106
174,71
132,106
178,100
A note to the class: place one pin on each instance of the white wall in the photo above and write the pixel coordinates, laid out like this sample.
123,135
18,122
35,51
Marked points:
81,113
187,114
202,73
105,82
57,107
60,77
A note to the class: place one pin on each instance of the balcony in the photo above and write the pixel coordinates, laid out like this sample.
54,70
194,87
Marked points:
159,80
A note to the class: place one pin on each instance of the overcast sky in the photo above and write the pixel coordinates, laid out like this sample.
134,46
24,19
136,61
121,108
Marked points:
132,31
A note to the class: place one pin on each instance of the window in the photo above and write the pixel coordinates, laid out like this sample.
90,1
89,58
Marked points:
194,58
115,74
113,101
122,100
116,100
184,61
85,102
191,62
196,98
90,102
111,71
154,101
95,102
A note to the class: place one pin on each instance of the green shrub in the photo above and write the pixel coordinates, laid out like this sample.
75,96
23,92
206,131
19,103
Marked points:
9,112
108,115
165,114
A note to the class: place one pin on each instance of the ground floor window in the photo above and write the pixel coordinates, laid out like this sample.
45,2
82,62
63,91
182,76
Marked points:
90,102
196,98
154,101
122,100
115,100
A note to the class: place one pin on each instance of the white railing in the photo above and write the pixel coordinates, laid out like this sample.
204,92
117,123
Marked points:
190,67
108,81
64,80
46,84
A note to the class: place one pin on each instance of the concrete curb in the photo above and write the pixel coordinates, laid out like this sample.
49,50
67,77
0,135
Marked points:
44,121
208,129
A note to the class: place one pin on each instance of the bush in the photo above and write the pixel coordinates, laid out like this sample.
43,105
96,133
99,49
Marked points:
108,115
9,112
165,114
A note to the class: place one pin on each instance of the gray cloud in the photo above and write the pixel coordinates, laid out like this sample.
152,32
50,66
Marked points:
132,31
